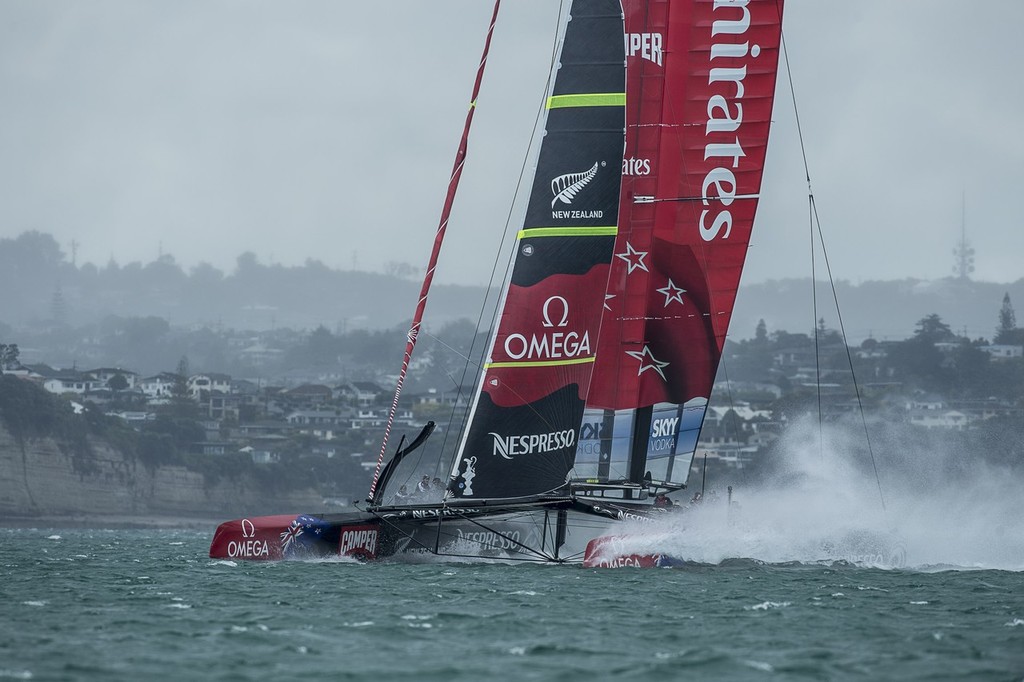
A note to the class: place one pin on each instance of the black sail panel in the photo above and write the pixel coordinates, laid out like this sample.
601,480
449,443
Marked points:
523,429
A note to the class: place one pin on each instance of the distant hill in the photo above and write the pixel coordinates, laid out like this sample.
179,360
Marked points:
43,289
885,310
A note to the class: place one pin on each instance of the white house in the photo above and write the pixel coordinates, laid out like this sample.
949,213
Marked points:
208,383
1003,352
105,374
71,382
159,387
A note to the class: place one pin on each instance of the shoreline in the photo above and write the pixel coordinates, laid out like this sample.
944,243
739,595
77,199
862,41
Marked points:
111,522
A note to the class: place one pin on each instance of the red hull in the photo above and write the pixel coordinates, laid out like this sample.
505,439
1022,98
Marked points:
272,538
604,552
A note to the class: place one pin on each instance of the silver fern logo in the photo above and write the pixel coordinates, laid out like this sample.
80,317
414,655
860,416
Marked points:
566,187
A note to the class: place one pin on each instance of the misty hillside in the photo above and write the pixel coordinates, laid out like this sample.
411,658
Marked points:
43,289
883,310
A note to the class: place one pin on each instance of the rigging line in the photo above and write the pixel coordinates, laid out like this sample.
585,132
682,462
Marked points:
812,212
816,220
647,199
453,349
430,550
792,92
528,549
531,560
814,326
469,361
393,525
849,358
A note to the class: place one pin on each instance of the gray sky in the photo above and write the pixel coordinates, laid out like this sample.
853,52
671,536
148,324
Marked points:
326,130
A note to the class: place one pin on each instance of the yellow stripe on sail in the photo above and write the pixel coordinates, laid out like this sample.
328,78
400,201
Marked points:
606,231
540,363
590,99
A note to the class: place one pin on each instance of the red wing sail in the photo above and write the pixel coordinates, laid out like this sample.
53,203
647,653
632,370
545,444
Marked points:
521,439
700,84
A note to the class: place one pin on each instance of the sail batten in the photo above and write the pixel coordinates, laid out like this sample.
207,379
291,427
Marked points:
568,232
604,99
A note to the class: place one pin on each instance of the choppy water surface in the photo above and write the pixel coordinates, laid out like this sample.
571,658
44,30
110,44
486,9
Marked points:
125,605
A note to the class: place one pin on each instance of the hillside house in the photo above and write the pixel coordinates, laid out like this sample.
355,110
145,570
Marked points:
201,386
159,388
104,374
361,393
71,381
1004,352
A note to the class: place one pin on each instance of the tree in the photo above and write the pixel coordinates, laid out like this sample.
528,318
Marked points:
181,401
1007,322
932,329
919,360
9,355
322,347
399,269
761,333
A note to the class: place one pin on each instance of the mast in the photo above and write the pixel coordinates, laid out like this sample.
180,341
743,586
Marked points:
964,252
453,185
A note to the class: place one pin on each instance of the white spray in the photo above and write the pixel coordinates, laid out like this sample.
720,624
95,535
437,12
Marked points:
942,510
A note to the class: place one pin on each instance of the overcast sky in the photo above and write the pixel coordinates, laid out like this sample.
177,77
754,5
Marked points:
326,130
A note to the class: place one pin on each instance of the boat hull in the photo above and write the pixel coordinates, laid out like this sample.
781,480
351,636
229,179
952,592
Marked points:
540,532
612,551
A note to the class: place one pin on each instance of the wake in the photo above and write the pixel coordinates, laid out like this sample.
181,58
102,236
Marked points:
821,507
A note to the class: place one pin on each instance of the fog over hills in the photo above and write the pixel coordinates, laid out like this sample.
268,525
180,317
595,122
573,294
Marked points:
884,310
44,289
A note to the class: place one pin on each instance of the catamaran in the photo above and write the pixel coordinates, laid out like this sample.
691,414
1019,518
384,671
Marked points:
616,309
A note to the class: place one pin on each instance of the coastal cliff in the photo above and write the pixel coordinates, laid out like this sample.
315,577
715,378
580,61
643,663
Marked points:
40,479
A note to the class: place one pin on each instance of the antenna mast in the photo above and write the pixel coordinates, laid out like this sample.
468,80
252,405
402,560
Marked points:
963,253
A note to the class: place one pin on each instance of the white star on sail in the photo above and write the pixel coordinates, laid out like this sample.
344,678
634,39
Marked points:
608,297
647,361
672,293
634,259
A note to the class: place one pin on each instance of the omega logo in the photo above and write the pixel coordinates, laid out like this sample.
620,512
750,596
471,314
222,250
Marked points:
547,312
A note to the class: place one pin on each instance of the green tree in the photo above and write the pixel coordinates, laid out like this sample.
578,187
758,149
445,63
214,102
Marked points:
919,361
181,401
761,333
932,329
9,355
322,347
1007,322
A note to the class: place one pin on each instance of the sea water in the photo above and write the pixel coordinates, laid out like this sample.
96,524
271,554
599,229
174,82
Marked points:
149,604
822,572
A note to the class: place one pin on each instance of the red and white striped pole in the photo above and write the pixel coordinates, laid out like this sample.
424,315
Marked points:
453,185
